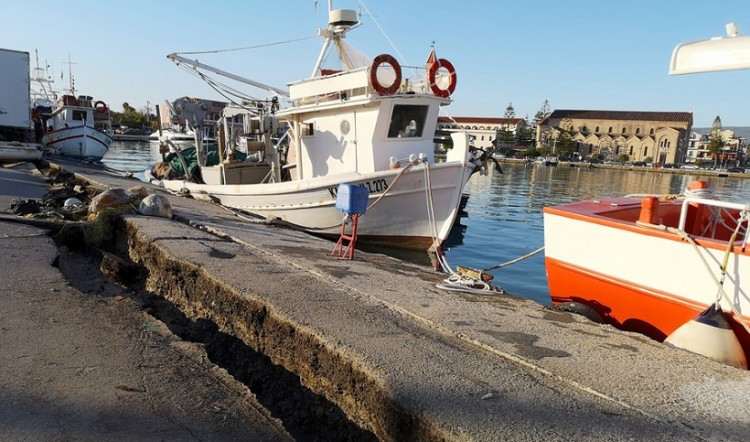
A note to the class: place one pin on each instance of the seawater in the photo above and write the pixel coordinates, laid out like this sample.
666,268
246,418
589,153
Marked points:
503,219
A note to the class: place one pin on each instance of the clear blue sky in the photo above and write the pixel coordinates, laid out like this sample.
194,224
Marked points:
579,54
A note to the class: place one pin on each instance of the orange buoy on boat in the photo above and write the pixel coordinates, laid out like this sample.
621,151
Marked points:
710,335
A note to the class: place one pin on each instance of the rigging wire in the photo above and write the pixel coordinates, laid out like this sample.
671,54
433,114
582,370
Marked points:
245,48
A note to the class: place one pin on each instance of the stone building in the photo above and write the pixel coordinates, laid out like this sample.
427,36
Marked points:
660,137
483,130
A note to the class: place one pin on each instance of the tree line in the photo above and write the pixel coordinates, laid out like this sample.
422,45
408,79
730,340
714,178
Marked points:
131,117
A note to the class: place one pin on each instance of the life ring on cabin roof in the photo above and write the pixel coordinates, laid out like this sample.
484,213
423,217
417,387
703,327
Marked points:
375,83
432,77
101,107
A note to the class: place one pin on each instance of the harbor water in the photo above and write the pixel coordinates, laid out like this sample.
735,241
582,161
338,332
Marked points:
503,219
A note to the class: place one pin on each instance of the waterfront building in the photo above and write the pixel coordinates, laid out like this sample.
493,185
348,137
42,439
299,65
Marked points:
660,137
483,130
169,117
731,154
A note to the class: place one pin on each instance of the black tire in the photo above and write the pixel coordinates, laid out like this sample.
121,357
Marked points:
579,309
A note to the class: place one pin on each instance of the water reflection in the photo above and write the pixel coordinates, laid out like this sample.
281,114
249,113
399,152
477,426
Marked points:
133,156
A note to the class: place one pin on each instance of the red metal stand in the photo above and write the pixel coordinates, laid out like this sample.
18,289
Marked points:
351,238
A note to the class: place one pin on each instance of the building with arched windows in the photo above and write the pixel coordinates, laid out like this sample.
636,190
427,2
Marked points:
661,137
483,130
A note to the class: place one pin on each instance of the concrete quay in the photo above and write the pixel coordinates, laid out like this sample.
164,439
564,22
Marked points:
373,338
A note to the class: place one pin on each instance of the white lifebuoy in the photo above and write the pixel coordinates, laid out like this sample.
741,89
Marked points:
375,83
432,76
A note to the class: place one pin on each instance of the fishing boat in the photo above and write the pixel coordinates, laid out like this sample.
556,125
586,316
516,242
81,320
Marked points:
177,136
71,126
676,270
363,125
547,160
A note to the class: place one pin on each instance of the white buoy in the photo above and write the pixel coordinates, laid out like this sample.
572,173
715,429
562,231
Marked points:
710,335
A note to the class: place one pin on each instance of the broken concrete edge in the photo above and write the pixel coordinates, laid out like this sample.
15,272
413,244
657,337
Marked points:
326,368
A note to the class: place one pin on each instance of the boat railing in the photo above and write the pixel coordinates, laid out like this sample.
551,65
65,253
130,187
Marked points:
348,84
708,202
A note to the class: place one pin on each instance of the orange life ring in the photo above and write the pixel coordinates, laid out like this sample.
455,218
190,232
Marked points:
379,88
101,107
432,76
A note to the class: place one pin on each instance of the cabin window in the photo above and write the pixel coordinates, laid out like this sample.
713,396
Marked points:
79,115
407,121
307,129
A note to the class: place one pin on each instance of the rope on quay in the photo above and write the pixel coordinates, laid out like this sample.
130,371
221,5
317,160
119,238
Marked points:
478,281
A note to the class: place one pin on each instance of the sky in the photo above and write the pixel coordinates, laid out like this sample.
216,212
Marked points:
577,54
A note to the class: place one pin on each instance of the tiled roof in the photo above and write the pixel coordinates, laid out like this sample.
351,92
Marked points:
622,115
480,120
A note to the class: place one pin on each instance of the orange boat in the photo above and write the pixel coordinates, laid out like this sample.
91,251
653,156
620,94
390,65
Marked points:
677,270
650,265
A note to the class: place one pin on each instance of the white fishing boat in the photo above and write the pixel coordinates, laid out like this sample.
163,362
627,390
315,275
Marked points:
547,160
177,136
364,125
71,126
676,270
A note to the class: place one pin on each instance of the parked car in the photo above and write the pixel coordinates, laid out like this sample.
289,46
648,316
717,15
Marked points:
689,167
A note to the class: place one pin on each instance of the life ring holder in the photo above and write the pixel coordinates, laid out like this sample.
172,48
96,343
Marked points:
432,77
375,83
101,107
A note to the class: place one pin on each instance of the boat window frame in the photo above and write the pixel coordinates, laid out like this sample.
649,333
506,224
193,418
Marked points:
78,115
407,121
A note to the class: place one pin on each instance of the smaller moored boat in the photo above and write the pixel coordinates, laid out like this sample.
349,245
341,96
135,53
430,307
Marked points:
649,265
676,270
71,126
547,160
71,130
177,136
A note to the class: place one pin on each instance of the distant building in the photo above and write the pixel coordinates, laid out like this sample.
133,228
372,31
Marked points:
661,137
483,130
170,118
731,154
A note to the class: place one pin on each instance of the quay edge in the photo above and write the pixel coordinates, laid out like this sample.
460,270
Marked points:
408,361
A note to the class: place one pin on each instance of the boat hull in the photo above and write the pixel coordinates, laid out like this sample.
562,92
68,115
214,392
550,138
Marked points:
638,278
398,214
80,142
18,152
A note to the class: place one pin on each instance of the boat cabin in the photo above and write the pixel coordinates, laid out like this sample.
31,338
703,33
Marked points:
345,123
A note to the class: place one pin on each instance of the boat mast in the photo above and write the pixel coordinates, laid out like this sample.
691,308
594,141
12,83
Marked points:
196,64
340,21
71,81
